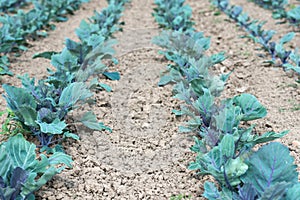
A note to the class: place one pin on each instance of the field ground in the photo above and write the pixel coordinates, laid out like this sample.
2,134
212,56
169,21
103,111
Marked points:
145,157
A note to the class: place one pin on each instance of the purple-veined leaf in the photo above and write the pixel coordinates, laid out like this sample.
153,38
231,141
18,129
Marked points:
270,165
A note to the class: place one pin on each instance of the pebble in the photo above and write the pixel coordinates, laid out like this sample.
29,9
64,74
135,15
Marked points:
296,144
242,89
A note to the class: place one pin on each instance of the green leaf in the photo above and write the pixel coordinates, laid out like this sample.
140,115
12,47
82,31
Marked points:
276,191
270,165
235,168
287,38
71,135
210,191
112,75
218,58
204,104
199,146
22,104
228,119
56,127
178,112
60,158
164,80
183,129
65,58
6,162
28,114
34,183
73,46
103,127
7,192
227,147
95,84
194,166
106,87
266,137
251,107
74,93
89,119
47,55
293,192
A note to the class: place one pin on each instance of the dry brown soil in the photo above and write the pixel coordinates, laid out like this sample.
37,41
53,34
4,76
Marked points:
145,157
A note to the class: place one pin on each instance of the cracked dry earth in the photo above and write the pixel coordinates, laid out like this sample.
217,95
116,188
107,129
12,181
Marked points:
145,157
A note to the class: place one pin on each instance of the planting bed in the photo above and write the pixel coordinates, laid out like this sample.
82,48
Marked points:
145,157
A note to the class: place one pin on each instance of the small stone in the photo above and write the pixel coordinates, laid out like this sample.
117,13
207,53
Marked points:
146,125
242,89
296,144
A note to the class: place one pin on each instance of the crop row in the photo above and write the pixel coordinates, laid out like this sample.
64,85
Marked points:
224,144
288,59
12,5
40,109
279,10
19,28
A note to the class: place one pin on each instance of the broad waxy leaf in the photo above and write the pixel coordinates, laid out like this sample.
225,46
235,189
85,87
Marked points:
106,87
276,191
21,103
65,58
267,170
293,16
56,127
58,158
215,164
74,93
293,192
251,108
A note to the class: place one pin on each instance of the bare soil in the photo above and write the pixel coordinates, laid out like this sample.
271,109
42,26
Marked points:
145,157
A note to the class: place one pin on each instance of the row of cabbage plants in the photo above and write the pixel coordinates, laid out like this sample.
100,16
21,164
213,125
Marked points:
19,28
280,10
13,5
224,144
288,59
40,108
